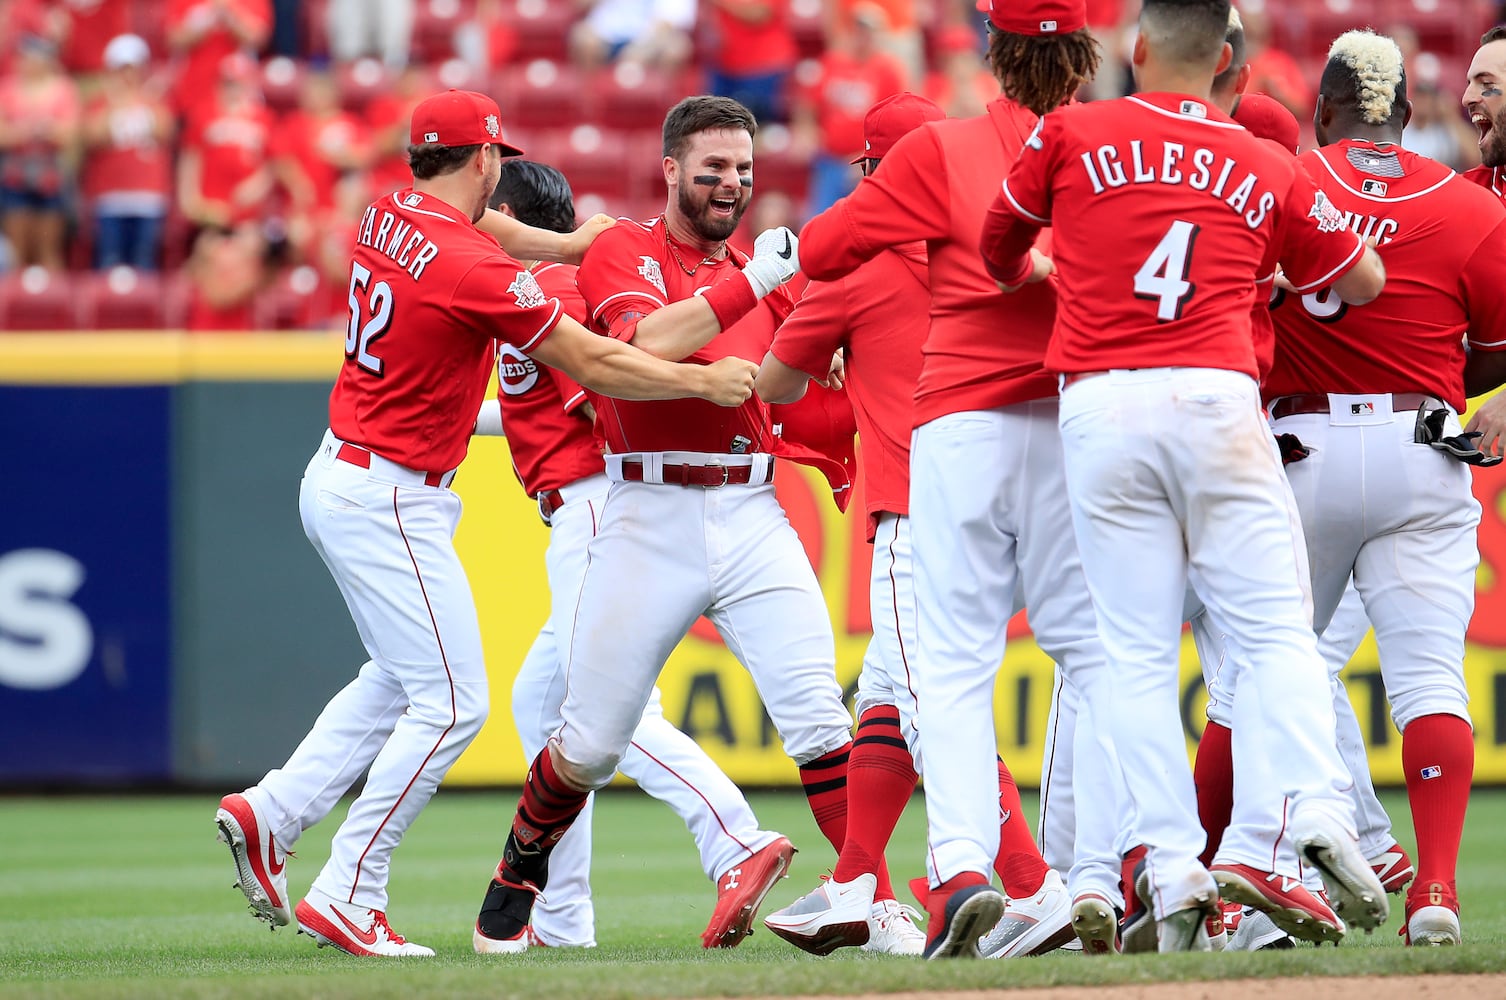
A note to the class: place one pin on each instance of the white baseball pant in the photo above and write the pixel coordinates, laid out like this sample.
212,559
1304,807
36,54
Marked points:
887,677
987,516
664,762
663,556
421,698
1173,478
1402,517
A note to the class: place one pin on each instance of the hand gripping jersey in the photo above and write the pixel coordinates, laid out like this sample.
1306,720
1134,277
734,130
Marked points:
551,444
429,296
1443,241
877,313
633,269
1198,207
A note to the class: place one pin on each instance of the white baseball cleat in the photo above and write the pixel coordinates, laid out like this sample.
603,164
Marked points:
1032,926
258,861
353,929
1353,889
1187,929
1256,931
892,930
1433,925
1095,924
831,916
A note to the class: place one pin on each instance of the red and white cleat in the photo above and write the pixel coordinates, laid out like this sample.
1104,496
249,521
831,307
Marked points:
740,892
258,861
1393,868
353,929
1289,905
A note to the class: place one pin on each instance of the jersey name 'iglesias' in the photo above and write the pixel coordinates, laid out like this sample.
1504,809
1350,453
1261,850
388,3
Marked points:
1202,170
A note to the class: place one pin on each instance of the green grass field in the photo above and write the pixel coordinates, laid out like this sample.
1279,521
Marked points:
132,897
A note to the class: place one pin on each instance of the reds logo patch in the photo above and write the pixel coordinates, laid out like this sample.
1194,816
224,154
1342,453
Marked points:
1329,218
493,126
516,371
649,268
525,289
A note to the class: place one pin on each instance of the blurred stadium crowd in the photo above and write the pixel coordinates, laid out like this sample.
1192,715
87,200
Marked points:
201,164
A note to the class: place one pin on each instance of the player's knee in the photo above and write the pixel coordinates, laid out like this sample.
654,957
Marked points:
472,705
585,770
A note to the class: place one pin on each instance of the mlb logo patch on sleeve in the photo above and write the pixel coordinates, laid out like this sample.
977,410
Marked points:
1432,772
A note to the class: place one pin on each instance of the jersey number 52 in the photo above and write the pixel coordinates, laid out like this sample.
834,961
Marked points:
370,317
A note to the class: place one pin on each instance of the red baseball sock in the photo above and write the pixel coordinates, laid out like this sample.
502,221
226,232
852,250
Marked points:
1438,756
545,811
1019,864
1213,774
880,780
825,783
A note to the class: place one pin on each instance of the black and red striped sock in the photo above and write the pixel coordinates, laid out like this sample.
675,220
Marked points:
1213,775
545,811
825,783
1019,863
880,780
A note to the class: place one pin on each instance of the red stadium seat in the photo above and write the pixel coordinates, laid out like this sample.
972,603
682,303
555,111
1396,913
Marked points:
288,304
807,23
122,299
634,97
281,81
543,28
35,299
434,24
360,81
593,159
777,168
542,94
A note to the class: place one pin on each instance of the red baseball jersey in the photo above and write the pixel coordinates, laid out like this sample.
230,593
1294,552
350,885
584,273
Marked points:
983,349
1164,212
1443,241
629,272
877,314
552,444
430,294
1492,179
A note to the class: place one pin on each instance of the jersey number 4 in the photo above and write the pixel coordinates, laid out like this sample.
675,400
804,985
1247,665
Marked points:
369,319
1163,276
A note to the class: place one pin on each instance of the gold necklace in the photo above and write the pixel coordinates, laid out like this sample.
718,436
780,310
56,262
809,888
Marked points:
711,258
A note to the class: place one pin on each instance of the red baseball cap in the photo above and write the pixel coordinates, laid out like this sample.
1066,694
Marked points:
1268,118
1036,17
459,118
888,121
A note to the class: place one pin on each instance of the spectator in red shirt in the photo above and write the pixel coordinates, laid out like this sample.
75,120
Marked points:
223,176
960,83
315,146
39,117
127,175
202,33
828,114
226,270
1273,71
91,24
387,117
753,55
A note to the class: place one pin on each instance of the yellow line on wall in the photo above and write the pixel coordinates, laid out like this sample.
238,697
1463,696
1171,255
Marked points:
165,358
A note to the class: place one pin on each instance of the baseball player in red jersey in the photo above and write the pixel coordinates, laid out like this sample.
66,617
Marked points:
691,525
429,295
1164,212
1374,392
874,317
558,460
986,483
1485,102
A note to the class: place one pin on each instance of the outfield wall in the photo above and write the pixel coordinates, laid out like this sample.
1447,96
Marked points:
163,619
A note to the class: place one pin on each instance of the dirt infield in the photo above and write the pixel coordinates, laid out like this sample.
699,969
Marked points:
1335,988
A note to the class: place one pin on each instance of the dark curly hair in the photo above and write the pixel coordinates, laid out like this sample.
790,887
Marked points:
1042,72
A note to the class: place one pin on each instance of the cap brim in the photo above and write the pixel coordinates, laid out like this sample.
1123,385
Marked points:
508,149
860,158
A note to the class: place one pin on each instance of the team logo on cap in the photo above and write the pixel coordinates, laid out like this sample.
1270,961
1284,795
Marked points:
1330,219
525,289
1048,27
493,127
1377,188
431,137
649,268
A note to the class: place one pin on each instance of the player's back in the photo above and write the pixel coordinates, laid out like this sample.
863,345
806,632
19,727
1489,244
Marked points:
1438,236
1163,211
425,286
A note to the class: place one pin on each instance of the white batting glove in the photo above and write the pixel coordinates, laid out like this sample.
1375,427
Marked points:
776,259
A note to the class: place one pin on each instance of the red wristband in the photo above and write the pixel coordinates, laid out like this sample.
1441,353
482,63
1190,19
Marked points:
731,299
